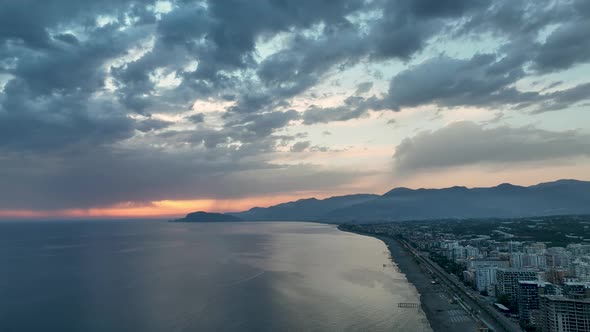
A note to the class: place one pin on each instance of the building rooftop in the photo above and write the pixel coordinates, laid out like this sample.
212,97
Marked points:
501,306
577,283
516,269
534,282
562,298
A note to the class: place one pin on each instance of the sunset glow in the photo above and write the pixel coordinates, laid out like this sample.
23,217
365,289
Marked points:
134,109
156,209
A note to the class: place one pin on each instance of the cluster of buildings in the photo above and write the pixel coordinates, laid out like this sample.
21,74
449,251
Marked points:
546,289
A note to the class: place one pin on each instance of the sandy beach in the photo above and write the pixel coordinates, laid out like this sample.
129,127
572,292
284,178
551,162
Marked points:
435,301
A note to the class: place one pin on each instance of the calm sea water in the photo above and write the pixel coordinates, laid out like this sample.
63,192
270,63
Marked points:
159,276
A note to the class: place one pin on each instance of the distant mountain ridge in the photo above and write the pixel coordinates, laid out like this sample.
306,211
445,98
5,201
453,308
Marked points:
504,200
309,209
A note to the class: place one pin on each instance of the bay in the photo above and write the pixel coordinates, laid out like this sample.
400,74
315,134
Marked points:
159,276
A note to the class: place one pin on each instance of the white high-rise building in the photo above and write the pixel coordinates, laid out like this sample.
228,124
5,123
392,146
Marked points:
471,252
517,260
485,278
534,260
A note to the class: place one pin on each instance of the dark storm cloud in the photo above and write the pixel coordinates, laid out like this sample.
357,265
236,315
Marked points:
184,25
70,67
238,23
444,8
302,64
515,18
407,25
481,80
522,23
353,108
363,87
78,96
582,7
403,31
67,38
569,44
30,22
306,58
262,125
484,81
224,37
152,124
562,99
106,177
300,146
243,135
197,118
304,146
58,121
467,143
51,103
252,103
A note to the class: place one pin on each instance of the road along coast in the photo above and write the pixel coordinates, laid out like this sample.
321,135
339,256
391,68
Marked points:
444,309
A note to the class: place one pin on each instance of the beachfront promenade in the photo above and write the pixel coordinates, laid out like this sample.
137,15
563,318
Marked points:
477,308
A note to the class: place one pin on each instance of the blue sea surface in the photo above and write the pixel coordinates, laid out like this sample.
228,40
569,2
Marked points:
159,276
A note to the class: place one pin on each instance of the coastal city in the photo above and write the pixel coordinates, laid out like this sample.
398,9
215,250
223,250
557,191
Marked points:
523,274
295,165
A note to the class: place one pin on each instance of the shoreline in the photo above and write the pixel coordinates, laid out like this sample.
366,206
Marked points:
442,315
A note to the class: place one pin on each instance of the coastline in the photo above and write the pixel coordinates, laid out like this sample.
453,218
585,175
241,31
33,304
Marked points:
434,298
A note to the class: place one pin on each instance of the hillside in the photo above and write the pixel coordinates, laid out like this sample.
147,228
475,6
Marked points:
202,216
505,200
310,209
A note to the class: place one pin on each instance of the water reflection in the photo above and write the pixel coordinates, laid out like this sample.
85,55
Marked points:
157,276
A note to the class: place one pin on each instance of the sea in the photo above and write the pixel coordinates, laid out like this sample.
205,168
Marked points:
161,276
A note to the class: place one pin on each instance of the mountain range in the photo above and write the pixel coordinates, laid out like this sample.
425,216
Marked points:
505,200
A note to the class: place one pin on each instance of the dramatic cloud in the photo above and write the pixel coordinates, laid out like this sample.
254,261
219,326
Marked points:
466,143
354,107
566,45
300,146
58,121
444,81
407,25
103,102
363,87
562,99
152,124
482,81
107,177
197,118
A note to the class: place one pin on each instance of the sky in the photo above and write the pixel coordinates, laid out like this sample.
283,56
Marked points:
132,108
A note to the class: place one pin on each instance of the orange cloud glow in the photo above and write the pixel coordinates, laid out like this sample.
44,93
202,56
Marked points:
157,209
